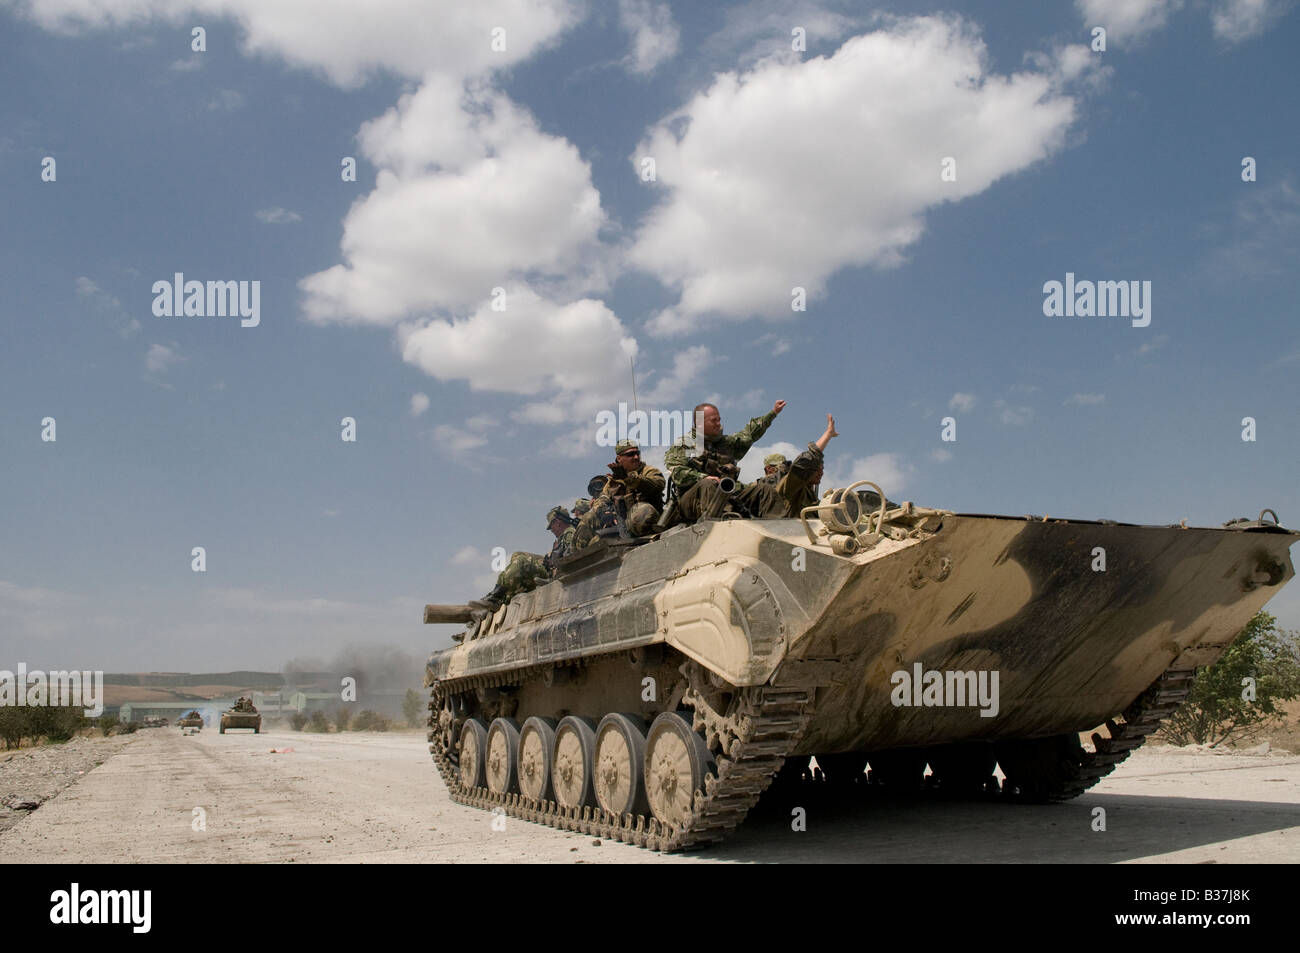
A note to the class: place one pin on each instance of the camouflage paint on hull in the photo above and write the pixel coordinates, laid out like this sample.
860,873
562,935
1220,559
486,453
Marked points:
1071,646
755,603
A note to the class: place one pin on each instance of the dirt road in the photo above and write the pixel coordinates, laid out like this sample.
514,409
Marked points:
375,798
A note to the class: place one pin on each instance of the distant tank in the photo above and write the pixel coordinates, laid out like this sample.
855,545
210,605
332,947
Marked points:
653,690
192,720
241,715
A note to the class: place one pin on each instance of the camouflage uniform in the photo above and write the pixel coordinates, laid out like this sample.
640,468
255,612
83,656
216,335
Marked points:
562,547
698,498
523,574
642,492
782,468
526,571
794,484
563,544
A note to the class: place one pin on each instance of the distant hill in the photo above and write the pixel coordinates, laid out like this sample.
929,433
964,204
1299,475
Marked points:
263,681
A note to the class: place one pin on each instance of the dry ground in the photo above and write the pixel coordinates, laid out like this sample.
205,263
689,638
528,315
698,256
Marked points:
362,797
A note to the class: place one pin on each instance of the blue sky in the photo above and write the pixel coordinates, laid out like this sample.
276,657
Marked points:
480,168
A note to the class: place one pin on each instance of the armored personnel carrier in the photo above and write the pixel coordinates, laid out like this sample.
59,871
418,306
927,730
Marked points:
192,720
652,691
241,715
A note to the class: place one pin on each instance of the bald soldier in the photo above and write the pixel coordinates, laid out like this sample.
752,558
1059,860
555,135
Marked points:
640,488
699,462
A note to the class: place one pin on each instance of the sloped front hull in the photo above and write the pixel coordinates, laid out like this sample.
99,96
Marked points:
1056,642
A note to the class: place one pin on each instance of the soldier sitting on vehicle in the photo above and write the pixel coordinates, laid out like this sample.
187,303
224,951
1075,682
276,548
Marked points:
526,571
775,466
636,486
705,468
798,486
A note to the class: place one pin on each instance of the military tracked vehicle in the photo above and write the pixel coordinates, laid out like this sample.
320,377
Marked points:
652,691
192,720
241,715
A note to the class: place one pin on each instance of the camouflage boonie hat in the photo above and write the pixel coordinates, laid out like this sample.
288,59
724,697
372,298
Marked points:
774,460
580,506
557,513
623,446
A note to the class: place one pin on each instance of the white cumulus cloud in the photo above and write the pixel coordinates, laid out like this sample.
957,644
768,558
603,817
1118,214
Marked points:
344,40
655,37
886,470
470,196
419,404
779,176
570,359
1237,20
1126,19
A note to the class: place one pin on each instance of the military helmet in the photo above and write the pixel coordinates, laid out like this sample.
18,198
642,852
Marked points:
557,513
774,460
597,484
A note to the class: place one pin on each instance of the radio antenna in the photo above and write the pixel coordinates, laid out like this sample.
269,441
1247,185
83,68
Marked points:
631,362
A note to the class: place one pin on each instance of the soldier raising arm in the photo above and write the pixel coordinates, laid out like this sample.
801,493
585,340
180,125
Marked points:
799,486
678,459
699,461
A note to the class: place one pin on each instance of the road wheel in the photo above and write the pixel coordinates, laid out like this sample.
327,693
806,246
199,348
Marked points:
676,763
573,762
536,753
473,753
620,758
503,756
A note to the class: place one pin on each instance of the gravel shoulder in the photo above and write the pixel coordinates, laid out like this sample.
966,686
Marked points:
375,798
30,777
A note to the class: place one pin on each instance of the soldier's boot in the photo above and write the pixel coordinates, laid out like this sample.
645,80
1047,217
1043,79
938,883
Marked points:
705,500
760,500
490,603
